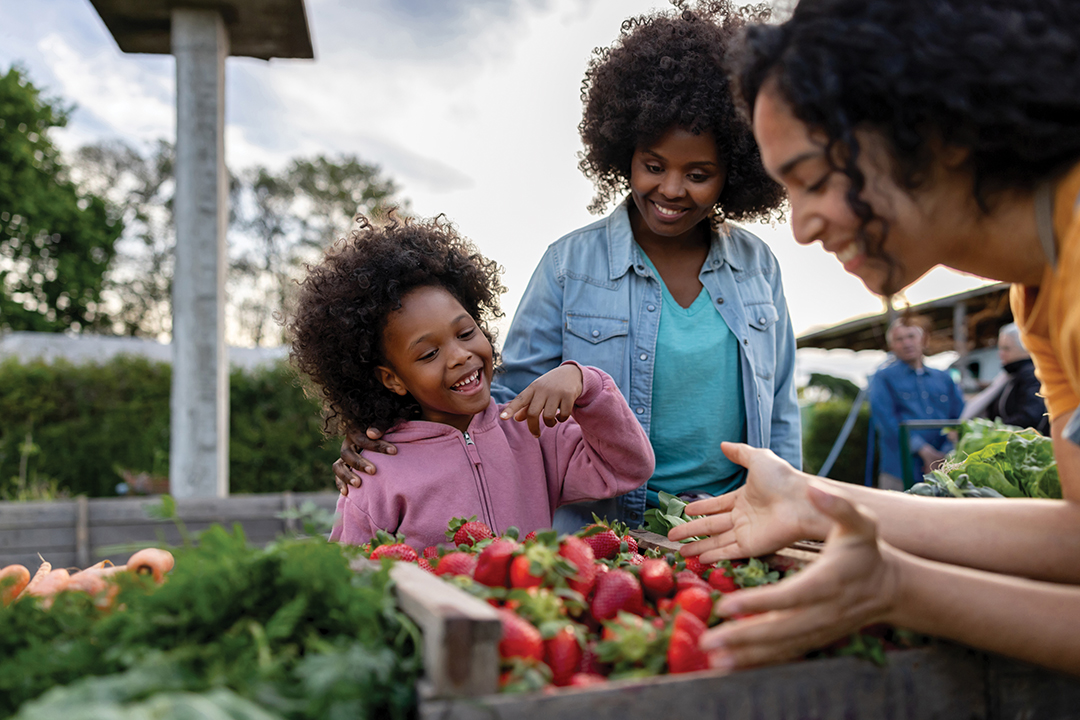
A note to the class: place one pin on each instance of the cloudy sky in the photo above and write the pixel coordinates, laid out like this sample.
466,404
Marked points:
471,106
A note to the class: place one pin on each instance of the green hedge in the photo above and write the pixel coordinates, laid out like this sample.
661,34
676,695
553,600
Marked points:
823,425
85,423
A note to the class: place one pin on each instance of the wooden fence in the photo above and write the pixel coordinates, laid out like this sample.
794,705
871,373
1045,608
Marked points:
72,533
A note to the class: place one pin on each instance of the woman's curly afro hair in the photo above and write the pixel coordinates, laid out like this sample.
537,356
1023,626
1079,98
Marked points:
336,332
1000,78
667,70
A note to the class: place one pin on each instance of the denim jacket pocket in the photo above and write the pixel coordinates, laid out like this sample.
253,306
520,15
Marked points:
597,340
762,317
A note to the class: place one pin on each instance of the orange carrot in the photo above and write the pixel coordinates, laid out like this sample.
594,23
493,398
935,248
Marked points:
13,579
152,561
56,581
44,569
99,566
89,582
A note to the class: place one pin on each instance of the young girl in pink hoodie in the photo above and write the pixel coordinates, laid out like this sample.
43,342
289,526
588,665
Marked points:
392,328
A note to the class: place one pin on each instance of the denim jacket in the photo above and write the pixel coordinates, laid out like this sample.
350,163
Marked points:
594,300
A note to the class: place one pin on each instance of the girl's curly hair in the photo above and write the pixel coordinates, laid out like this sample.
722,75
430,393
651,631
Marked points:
336,332
1000,78
667,70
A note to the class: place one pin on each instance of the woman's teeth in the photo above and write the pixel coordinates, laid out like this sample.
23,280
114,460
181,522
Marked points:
848,252
665,211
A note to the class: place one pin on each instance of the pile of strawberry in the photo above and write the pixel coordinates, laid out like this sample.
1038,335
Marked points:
583,608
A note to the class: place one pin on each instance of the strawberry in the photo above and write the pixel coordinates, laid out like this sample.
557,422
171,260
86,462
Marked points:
616,590
683,654
632,558
585,679
686,578
689,623
521,575
695,600
431,552
603,541
580,553
396,551
657,578
470,531
562,653
530,536
519,637
695,564
456,563
665,605
425,564
720,580
493,563
590,663
631,543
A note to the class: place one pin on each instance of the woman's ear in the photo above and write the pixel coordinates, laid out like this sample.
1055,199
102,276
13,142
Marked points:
390,380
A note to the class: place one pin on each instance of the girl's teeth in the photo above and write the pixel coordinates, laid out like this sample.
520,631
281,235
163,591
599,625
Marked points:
848,252
665,211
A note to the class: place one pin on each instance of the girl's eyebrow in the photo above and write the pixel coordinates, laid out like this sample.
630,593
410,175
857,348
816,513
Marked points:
425,336
790,165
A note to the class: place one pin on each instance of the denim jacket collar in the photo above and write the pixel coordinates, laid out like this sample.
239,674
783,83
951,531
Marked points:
623,251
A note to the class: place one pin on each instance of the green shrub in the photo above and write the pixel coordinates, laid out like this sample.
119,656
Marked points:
826,419
80,425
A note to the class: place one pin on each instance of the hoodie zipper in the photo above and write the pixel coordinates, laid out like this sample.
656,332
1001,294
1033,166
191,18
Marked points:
478,474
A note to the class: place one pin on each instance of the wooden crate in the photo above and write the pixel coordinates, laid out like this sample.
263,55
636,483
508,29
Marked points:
944,681
72,533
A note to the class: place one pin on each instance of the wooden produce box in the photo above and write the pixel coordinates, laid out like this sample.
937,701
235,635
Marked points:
461,661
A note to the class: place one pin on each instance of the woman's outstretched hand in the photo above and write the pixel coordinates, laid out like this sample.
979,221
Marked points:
854,583
348,467
769,512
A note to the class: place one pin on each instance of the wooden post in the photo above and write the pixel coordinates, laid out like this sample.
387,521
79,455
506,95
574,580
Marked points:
82,531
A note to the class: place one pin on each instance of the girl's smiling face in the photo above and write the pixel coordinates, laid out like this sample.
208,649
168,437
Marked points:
676,181
818,194
436,353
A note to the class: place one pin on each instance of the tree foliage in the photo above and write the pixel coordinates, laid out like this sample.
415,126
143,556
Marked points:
55,241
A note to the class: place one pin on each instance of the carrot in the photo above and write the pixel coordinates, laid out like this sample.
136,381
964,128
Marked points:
89,582
99,566
13,579
44,569
56,581
152,561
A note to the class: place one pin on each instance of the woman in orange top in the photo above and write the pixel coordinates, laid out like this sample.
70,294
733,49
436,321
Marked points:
910,134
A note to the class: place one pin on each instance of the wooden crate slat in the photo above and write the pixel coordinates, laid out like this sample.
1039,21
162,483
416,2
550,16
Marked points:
37,514
60,557
32,538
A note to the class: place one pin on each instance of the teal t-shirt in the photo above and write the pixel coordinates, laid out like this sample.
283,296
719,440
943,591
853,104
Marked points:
697,400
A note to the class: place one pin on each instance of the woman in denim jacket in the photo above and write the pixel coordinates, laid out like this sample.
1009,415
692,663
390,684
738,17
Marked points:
684,310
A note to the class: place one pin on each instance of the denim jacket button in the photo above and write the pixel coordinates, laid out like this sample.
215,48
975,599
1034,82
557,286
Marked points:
761,321
719,301
596,333
651,308
746,341
641,411
643,356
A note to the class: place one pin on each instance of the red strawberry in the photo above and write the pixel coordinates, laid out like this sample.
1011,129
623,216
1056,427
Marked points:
431,552
720,580
657,578
425,564
584,679
695,600
633,558
456,563
683,653
590,663
493,563
616,590
562,653
686,578
581,555
695,564
519,638
604,544
530,536
396,551
521,575
665,605
689,623
631,543
469,531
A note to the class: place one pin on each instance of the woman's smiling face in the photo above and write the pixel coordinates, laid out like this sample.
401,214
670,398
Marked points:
676,181
819,203
436,352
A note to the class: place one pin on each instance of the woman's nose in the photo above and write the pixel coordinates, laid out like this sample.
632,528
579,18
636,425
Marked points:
671,185
806,225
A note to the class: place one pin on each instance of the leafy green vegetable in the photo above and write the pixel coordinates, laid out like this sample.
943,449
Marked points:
754,573
671,512
289,628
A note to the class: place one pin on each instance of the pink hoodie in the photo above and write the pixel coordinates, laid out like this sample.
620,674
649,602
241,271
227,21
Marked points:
498,471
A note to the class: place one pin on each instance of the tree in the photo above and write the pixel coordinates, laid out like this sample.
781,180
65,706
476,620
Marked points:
55,241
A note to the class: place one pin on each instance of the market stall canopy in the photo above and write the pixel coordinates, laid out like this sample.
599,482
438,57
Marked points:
961,322
261,29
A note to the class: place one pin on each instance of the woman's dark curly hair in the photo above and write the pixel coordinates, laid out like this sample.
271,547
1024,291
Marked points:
1000,78
667,71
336,332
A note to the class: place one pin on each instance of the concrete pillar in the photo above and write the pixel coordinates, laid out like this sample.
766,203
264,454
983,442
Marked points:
199,449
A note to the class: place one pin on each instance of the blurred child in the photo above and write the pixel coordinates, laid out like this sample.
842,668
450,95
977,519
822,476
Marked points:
392,327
